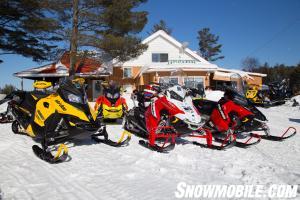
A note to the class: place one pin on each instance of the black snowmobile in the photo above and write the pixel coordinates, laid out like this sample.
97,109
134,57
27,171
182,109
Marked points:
6,117
279,91
56,118
272,94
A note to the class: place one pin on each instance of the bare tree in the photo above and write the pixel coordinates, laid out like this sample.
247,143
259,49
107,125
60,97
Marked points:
250,64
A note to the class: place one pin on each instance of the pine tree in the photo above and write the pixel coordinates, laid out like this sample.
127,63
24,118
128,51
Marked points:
208,45
32,28
295,80
109,26
7,89
161,25
26,29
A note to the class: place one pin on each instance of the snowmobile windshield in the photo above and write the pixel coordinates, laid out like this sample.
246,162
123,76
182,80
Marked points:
236,92
72,92
112,93
237,83
177,92
232,94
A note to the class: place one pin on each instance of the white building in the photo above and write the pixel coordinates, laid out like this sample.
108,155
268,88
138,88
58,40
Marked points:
168,60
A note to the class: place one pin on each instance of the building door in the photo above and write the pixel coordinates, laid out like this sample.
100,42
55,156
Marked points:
97,89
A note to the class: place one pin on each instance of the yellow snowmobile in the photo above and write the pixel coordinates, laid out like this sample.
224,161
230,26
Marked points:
111,105
254,95
57,118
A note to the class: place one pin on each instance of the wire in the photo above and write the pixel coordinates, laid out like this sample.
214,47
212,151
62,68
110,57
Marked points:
279,33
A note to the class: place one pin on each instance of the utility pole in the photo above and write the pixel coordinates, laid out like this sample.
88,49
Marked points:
22,85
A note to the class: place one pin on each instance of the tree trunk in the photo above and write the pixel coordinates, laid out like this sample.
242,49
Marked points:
74,39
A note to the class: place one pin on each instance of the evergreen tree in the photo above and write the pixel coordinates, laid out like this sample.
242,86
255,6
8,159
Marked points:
295,80
208,45
33,28
7,89
161,25
109,26
26,29
279,72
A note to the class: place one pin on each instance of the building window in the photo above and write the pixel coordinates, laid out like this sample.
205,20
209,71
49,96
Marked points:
169,80
194,82
160,57
127,72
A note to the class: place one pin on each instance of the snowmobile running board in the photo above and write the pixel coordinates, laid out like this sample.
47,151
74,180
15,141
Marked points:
61,154
282,137
215,147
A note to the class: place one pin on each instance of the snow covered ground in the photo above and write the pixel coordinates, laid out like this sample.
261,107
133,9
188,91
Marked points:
98,171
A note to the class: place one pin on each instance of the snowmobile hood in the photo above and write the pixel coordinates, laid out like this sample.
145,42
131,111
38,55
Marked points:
190,114
75,95
241,100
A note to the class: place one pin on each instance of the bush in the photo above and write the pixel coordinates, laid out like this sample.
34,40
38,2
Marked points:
7,89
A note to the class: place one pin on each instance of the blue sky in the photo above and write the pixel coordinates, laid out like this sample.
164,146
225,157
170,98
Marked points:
266,29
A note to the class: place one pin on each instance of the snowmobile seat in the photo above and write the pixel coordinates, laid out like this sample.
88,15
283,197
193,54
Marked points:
205,106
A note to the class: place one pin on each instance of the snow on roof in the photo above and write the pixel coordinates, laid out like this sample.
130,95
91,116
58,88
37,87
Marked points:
240,72
85,66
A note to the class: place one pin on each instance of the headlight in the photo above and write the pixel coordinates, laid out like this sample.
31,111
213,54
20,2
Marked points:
116,95
109,95
74,98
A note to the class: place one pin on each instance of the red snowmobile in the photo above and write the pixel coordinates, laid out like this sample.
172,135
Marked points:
236,116
162,116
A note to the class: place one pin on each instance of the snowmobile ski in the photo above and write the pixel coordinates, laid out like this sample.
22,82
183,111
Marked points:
60,156
249,142
282,137
160,149
228,142
121,142
6,118
228,145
